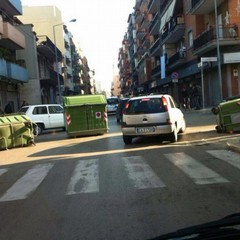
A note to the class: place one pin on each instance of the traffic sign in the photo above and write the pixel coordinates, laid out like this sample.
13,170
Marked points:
209,59
174,75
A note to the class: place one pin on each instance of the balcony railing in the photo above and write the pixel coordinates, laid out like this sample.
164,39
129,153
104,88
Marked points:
154,47
175,23
13,38
17,72
153,23
203,6
225,33
178,57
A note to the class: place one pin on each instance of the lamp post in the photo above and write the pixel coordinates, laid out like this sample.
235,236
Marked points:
56,57
218,50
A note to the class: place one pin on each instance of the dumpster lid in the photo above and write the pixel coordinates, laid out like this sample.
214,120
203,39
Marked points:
84,99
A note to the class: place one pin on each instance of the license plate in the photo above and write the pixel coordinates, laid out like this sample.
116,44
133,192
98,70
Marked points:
145,130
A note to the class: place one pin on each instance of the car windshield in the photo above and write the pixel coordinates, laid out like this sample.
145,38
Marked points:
112,101
145,105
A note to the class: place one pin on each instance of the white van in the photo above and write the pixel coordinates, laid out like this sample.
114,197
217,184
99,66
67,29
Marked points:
46,116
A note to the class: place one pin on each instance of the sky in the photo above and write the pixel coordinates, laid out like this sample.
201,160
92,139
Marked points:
99,29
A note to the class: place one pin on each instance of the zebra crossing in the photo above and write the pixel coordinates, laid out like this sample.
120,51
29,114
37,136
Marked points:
85,175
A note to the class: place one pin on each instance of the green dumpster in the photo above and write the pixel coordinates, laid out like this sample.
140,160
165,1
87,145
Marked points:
85,115
228,116
16,130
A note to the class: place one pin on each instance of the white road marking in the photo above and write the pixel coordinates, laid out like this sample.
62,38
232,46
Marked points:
141,173
27,184
227,156
199,173
3,170
85,177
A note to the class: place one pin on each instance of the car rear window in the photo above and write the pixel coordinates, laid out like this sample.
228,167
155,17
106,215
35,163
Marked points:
112,101
145,105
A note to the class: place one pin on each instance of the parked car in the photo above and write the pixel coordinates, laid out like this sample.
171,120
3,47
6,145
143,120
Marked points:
120,108
112,103
152,115
45,116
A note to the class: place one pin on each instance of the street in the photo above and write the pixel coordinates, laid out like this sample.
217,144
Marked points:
98,188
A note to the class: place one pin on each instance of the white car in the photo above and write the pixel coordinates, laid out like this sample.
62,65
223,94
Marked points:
152,115
46,116
112,104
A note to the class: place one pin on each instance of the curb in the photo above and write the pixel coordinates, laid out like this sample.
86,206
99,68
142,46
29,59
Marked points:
234,146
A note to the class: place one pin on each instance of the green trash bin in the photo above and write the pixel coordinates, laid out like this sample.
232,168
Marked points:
85,115
228,116
16,130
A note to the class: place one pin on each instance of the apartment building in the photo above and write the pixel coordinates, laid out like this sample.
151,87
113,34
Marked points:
13,71
47,20
175,44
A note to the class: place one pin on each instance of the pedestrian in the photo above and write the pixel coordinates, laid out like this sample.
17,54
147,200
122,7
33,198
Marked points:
8,108
186,99
196,97
24,103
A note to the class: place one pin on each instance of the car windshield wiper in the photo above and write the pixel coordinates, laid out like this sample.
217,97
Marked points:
225,228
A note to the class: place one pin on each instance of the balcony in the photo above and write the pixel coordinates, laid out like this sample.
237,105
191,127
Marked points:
154,25
16,72
12,38
203,6
47,48
173,30
155,48
228,36
153,6
176,60
12,7
3,68
156,72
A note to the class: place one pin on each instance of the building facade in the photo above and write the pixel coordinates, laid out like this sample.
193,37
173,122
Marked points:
13,70
176,44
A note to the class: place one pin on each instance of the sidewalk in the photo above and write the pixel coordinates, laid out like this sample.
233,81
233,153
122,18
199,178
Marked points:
204,120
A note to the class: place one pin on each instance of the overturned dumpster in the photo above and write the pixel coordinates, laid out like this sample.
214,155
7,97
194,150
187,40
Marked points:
228,116
85,115
16,130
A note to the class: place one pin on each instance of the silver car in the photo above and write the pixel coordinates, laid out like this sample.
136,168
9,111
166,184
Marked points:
152,115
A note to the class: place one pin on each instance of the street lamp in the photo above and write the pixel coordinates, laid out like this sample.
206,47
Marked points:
56,57
218,50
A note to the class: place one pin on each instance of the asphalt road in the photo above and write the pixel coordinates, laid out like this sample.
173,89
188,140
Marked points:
98,188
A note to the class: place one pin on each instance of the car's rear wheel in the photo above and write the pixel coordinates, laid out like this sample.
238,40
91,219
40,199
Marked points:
39,128
173,136
127,139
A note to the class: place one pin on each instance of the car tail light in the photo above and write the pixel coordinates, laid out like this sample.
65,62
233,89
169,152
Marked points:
165,104
125,108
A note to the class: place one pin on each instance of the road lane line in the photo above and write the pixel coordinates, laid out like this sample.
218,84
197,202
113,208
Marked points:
227,156
85,178
141,173
199,173
27,183
3,170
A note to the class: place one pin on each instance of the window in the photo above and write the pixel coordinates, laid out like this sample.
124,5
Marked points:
55,109
146,105
40,110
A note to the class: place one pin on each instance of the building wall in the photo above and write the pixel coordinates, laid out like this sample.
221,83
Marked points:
43,19
30,91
